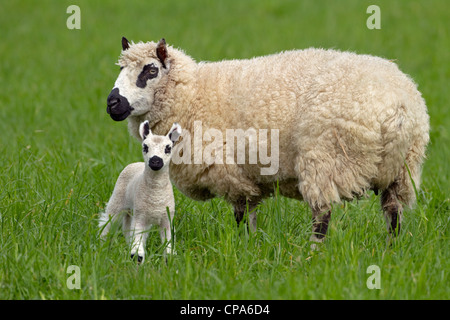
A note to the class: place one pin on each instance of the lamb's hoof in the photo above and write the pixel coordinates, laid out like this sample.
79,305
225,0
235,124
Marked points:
171,252
139,258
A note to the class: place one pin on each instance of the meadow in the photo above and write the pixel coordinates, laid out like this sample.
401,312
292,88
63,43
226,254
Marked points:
60,155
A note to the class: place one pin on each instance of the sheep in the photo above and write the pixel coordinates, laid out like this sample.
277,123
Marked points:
144,190
347,124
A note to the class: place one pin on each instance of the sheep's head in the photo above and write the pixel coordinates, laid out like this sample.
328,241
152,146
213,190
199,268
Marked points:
142,67
157,150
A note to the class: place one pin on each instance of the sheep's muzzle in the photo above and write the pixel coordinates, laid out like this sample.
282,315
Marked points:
118,106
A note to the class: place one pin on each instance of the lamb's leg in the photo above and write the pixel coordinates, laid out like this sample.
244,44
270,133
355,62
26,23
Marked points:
240,208
166,236
126,227
165,231
139,233
321,219
392,209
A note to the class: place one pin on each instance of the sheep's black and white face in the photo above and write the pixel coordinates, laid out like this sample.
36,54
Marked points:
134,89
157,150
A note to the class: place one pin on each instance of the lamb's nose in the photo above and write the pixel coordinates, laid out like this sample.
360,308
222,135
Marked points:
155,163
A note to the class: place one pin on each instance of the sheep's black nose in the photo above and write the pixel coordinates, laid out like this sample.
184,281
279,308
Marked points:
113,100
118,106
155,163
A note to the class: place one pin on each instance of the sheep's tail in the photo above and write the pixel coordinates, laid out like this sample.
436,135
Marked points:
408,182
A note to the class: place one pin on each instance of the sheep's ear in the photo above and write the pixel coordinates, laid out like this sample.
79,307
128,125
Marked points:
144,129
125,43
161,51
174,132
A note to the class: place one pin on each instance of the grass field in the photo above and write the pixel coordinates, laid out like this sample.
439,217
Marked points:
60,155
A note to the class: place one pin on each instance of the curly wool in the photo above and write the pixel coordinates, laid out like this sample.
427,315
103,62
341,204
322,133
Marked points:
347,123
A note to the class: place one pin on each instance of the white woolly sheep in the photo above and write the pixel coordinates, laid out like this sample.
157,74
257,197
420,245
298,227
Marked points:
144,190
347,124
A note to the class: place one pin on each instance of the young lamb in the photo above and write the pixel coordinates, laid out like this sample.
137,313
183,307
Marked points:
347,124
144,190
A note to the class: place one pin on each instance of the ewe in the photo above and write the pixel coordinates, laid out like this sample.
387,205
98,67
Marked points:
347,124
144,190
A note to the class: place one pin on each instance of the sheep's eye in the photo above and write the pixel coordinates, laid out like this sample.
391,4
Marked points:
168,149
152,70
149,71
145,148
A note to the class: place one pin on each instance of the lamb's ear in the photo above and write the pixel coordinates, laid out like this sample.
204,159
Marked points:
144,129
161,51
174,132
125,43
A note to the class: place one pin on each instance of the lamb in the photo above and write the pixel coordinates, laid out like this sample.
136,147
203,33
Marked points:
347,124
144,190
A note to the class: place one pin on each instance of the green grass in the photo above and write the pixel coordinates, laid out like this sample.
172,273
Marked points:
61,155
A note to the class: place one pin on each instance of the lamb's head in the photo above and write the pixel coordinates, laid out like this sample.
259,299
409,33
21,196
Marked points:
157,150
142,68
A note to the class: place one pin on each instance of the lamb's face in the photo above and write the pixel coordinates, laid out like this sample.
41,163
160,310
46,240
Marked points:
134,89
157,150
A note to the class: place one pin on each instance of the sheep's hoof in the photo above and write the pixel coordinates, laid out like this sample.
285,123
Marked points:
139,258
316,242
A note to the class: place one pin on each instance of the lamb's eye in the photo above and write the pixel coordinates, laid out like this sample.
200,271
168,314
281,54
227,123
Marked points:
168,149
153,71
145,148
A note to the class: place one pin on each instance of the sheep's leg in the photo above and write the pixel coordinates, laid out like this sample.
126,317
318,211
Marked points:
321,219
392,209
139,233
240,208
